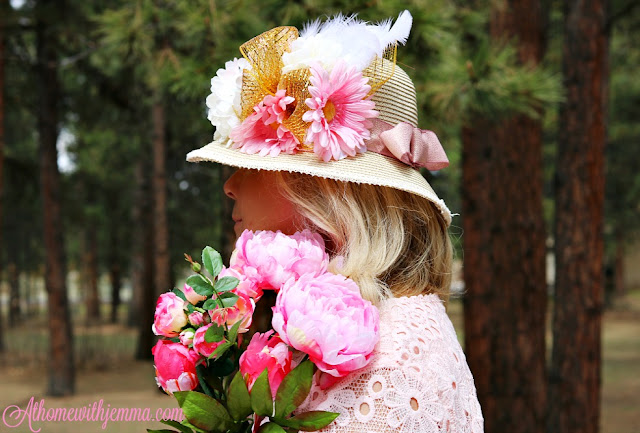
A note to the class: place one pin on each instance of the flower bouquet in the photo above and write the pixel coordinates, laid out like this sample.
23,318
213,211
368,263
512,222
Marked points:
224,383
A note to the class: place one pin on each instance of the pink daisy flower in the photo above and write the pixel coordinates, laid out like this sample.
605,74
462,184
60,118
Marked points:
338,112
263,132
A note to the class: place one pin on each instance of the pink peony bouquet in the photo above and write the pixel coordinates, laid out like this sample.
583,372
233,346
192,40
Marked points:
226,383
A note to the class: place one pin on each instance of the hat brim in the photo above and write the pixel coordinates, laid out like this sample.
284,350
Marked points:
369,168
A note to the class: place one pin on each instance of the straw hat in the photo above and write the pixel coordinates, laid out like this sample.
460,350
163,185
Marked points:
388,148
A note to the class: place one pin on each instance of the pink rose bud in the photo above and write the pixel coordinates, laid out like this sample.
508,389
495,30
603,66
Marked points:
246,285
169,318
201,346
325,317
175,366
242,312
266,351
186,336
196,318
191,295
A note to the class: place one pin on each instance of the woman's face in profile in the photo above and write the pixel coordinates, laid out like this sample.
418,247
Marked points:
259,205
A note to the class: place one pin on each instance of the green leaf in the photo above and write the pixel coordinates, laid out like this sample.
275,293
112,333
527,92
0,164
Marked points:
210,304
190,308
176,424
212,261
203,411
229,299
214,334
294,389
261,399
309,421
220,350
271,428
186,423
225,284
200,284
238,398
161,431
233,332
222,366
201,373
180,294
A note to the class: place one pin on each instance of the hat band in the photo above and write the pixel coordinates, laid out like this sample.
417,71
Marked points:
408,144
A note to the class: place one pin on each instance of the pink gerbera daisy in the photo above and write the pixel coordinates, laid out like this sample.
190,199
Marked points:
338,112
263,132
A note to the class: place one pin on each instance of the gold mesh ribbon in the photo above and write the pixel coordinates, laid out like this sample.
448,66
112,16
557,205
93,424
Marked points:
296,84
264,54
379,71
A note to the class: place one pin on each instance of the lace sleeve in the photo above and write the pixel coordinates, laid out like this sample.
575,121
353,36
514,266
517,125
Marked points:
417,382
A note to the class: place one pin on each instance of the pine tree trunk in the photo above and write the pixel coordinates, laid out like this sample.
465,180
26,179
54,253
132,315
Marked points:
61,362
3,8
504,244
13,275
575,377
91,265
162,265
139,215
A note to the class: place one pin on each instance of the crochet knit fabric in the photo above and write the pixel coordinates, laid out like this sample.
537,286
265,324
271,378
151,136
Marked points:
418,380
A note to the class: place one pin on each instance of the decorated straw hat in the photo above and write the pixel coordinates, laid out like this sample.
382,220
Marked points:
328,102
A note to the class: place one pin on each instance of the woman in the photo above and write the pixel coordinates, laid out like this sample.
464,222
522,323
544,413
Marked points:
323,128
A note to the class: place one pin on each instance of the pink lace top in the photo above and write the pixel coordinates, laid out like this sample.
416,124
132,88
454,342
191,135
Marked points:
418,380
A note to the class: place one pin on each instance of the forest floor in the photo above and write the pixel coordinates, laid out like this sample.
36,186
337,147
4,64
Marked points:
121,383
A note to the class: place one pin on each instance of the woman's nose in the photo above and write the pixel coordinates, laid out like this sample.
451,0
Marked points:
229,187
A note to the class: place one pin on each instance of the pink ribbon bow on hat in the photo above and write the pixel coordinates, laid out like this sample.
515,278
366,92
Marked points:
408,144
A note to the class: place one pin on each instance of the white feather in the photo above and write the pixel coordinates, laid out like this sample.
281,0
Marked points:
345,37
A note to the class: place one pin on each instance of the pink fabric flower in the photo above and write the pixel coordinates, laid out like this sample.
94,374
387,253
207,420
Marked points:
325,317
201,346
175,366
169,318
266,351
269,259
262,131
242,312
338,112
191,295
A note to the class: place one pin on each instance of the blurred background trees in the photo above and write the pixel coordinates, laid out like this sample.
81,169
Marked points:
114,93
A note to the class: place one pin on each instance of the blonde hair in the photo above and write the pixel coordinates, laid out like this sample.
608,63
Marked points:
390,242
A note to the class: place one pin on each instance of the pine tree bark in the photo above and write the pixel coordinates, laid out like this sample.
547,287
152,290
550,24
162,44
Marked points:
3,8
162,265
575,376
13,275
91,265
504,245
61,362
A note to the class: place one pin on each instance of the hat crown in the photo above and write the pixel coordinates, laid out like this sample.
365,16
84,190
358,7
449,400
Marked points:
396,100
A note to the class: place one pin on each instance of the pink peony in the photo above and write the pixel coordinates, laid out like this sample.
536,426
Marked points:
266,351
338,112
242,312
325,317
246,286
271,258
191,295
175,366
169,318
262,131
201,346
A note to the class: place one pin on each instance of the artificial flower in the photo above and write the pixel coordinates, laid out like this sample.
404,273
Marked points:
191,295
262,132
175,366
269,258
241,312
224,100
339,112
266,351
200,345
169,318
325,317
